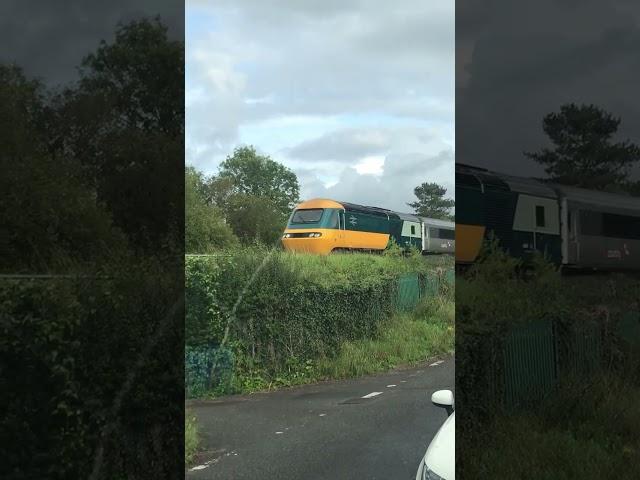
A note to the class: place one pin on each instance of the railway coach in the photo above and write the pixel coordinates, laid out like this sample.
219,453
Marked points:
323,226
573,227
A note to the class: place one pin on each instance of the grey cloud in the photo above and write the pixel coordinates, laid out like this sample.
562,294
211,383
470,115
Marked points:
394,188
49,39
528,60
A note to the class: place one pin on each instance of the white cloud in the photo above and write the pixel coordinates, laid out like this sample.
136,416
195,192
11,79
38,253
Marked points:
340,91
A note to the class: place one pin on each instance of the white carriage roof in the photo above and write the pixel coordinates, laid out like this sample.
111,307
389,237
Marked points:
434,222
599,198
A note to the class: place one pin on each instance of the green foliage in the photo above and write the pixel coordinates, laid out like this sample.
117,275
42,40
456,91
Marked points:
431,201
255,219
585,430
393,249
85,338
584,153
191,440
205,228
284,311
123,122
404,340
259,176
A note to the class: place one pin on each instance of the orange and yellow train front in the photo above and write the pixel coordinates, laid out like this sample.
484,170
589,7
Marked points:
314,227
320,226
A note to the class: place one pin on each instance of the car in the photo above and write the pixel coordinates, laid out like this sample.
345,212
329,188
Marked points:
439,463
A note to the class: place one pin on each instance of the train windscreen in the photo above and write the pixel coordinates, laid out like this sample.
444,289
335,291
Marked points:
311,215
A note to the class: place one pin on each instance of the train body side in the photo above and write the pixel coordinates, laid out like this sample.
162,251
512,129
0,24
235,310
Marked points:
524,216
321,226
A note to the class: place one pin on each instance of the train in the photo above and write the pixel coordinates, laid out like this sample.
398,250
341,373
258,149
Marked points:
574,228
323,226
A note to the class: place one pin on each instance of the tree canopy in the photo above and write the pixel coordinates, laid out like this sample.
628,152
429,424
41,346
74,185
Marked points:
431,202
260,176
205,227
584,152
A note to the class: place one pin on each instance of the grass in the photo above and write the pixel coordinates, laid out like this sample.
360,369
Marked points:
587,430
190,438
405,340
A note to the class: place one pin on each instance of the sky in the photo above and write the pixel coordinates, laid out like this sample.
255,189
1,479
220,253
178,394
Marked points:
518,61
49,41
355,96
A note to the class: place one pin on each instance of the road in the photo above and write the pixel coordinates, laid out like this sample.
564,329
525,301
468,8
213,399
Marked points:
326,430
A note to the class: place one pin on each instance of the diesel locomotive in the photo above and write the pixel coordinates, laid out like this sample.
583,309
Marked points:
323,226
573,227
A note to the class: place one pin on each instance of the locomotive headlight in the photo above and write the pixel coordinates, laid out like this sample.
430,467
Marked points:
286,235
314,235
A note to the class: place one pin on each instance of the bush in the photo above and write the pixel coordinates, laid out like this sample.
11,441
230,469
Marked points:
86,338
281,311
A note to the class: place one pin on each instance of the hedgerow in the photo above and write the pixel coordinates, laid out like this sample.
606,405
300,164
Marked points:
85,349
277,313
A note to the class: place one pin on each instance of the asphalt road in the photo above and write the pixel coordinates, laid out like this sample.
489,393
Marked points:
326,430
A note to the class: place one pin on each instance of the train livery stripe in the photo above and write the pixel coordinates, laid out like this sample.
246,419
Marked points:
468,242
332,239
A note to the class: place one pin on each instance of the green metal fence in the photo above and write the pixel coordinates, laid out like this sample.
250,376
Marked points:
408,292
530,367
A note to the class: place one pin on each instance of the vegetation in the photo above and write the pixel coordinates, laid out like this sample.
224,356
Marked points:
584,152
252,194
271,316
90,197
407,338
583,427
431,202
205,227
191,440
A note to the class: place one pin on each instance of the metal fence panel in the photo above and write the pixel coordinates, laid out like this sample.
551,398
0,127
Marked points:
529,362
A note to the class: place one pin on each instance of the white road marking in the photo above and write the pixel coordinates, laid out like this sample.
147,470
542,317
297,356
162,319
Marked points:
403,381
278,433
372,394
391,386
435,364
198,467
322,415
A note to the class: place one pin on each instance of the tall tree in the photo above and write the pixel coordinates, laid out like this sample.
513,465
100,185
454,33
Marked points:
205,228
51,220
124,122
584,153
432,202
260,176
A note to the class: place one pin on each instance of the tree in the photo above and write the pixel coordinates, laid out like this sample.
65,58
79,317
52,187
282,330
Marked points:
584,153
205,228
124,122
259,176
256,219
51,220
431,202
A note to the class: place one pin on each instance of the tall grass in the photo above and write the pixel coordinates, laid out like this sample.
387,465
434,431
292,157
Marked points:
404,340
190,438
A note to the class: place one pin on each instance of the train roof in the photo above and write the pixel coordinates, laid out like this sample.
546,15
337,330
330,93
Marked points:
438,223
553,190
501,181
599,198
354,207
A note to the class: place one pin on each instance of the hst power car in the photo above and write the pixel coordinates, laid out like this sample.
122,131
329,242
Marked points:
573,227
323,226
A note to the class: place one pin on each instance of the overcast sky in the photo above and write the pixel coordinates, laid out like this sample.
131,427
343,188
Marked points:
356,97
518,61
50,39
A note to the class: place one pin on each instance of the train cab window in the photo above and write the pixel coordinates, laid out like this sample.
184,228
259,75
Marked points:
540,220
310,215
413,229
